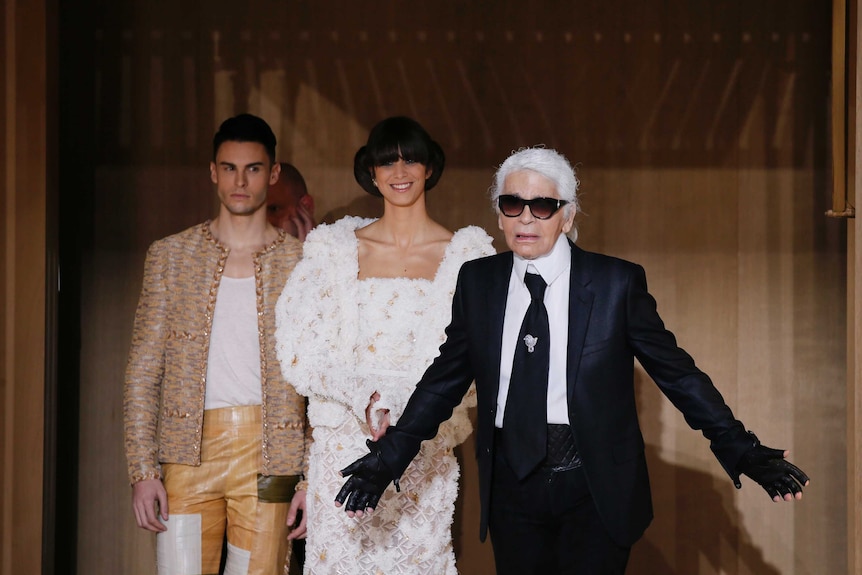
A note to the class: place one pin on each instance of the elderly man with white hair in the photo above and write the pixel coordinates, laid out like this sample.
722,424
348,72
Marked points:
549,332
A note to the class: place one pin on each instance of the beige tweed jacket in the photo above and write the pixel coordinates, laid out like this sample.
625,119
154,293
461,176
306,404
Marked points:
166,372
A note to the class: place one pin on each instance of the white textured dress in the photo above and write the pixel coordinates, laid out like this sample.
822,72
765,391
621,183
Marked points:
340,339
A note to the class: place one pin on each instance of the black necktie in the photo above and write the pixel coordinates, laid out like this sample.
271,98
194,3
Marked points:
525,419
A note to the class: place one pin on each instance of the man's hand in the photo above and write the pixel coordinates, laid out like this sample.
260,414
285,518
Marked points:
297,504
769,468
368,478
303,220
146,495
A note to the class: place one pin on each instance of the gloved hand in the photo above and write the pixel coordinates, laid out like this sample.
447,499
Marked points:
767,466
368,478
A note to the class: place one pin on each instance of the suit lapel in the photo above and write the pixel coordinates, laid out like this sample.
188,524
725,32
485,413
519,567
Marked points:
497,294
580,306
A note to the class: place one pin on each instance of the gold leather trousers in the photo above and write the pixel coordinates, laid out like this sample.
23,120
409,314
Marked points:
222,494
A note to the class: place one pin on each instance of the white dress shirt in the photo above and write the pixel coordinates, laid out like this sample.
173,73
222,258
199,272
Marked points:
555,268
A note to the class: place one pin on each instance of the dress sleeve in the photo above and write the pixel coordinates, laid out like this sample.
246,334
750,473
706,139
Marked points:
315,317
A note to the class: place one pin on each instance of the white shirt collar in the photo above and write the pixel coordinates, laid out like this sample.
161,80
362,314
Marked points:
550,265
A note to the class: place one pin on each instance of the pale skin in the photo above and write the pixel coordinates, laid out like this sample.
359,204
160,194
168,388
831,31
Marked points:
404,242
242,172
526,235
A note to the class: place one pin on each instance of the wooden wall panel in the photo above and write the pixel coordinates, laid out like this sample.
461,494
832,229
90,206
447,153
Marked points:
760,306
5,384
701,135
22,274
846,159
854,287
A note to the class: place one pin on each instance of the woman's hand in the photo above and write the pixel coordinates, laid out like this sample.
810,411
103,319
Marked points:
377,419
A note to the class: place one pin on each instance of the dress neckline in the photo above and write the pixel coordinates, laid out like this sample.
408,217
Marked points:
446,256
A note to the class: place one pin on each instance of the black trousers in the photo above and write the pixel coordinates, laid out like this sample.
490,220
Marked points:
547,524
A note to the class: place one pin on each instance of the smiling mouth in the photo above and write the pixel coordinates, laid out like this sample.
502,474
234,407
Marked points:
401,187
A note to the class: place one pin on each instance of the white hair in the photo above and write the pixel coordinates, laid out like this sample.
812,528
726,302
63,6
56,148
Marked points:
549,164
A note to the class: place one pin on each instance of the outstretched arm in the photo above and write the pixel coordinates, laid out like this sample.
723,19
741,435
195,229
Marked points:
694,394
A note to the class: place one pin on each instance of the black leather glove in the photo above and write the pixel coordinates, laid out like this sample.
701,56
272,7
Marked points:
368,478
768,467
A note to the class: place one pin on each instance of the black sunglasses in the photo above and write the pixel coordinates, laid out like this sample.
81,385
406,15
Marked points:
541,208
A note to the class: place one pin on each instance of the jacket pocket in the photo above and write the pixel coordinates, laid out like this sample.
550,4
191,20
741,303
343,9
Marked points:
595,346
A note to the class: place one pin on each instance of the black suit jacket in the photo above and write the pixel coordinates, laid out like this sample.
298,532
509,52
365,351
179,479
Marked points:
612,320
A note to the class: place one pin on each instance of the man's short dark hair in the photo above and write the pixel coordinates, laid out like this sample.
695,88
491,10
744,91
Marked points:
245,128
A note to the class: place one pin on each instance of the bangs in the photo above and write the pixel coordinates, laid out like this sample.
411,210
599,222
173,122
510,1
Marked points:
407,146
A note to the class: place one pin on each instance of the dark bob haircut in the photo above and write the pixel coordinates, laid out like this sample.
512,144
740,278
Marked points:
245,128
393,138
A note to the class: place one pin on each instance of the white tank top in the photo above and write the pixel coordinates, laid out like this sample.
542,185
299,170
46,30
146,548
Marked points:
233,365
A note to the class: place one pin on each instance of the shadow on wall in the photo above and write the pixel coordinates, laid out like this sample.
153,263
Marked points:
696,522
365,206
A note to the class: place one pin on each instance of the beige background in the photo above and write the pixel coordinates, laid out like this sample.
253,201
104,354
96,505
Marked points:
701,131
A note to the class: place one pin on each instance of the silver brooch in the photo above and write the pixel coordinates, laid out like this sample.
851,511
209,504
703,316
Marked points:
531,342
